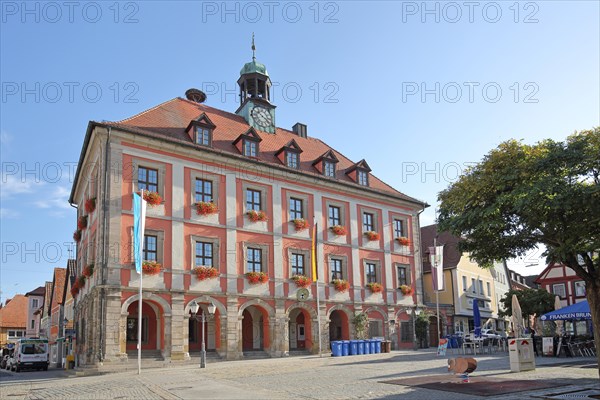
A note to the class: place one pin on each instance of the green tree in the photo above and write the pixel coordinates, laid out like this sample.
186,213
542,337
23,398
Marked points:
532,301
521,195
421,326
361,325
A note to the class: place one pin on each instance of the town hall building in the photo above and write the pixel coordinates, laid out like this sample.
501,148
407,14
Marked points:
233,200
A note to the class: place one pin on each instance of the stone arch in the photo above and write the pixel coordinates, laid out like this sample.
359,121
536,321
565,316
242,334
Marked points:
303,306
256,302
340,307
206,299
166,307
379,311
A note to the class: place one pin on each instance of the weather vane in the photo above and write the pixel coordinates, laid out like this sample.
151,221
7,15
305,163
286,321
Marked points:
253,48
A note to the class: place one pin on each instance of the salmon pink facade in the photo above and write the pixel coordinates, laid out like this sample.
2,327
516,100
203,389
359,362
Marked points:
268,187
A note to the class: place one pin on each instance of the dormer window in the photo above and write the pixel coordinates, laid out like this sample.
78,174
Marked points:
250,148
329,168
362,177
359,173
203,136
292,159
200,130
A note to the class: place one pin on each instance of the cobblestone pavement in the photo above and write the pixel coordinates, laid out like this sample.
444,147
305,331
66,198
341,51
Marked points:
354,377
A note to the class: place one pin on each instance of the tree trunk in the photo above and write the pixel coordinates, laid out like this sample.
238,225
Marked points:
593,297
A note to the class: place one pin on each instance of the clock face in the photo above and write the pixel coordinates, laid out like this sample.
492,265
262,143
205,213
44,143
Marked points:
302,294
262,116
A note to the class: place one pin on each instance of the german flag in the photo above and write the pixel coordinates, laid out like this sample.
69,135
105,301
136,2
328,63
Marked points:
315,274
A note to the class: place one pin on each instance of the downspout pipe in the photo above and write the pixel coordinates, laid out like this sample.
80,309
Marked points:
105,212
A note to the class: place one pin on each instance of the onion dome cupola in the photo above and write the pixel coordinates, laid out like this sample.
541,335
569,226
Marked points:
255,95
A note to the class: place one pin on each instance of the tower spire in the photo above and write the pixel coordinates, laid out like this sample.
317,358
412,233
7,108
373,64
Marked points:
253,48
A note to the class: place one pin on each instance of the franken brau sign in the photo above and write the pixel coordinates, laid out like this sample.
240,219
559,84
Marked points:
573,315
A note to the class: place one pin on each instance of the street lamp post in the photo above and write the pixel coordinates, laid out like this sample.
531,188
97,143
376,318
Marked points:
194,307
415,311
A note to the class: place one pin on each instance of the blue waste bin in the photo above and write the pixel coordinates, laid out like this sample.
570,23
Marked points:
373,345
336,348
353,347
361,346
367,346
378,346
345,347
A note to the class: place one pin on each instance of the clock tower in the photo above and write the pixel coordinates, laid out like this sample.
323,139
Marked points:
255,95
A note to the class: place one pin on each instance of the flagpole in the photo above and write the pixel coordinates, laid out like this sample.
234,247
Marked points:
437,291
139,345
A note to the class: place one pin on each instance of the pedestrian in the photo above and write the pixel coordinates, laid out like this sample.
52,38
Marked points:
535,350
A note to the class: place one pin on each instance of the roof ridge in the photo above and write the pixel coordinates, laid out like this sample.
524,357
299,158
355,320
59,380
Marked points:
147,111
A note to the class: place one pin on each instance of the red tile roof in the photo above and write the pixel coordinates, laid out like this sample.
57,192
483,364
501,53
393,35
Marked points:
169,120
58,286
39,291
14,314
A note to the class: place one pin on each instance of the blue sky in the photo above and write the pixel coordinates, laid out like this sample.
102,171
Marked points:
419,90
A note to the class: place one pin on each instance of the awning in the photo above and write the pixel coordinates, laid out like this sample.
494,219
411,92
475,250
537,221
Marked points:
577,311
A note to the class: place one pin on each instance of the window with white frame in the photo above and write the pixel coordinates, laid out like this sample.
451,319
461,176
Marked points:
403,273
362,177
147,179
334,213
295,208
204,254
368,222
481,287
150,248
34,303
329,169
335,267
371,272
293,159
580,288
489,289
297,264
253,200
203,190
254,259
203,136
473,286
559,290
250,148
464,283
398,228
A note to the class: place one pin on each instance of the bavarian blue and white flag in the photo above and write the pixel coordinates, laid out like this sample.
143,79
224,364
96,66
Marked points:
139,222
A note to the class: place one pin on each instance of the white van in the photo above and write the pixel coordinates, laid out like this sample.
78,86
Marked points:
30,354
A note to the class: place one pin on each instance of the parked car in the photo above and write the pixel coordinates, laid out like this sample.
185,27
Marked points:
30,354
485,334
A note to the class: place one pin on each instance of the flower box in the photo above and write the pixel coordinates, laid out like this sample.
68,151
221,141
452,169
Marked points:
372,235
206,208
75,289
88,270
406,290
404,241
301,281
151,267
257,277
256,216
340,285
375,287
152,198
300,224
82,222
203,273
81,281
338,230
77,235
90,205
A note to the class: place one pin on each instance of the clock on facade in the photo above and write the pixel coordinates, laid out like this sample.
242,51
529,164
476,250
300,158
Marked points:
302,294
262,116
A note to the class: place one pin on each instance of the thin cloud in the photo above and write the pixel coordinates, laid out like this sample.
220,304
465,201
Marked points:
57,201
7,213
13,186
